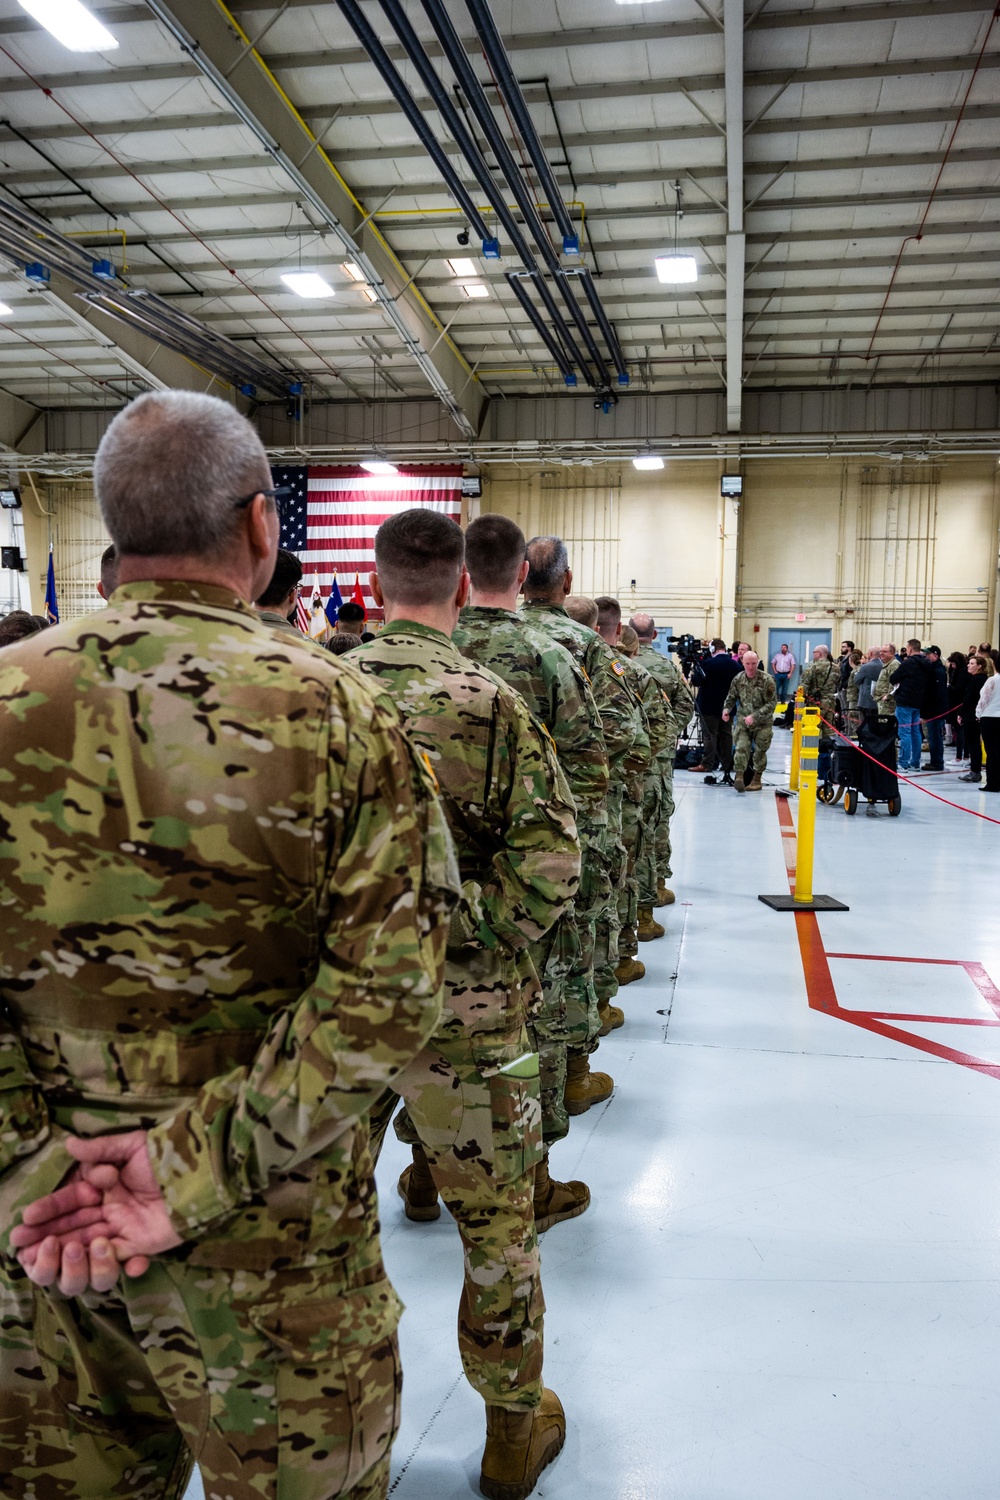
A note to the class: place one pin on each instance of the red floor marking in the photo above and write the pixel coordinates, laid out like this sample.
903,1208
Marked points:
822,993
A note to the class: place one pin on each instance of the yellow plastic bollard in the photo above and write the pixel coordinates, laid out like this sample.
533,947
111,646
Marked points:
793,775
806,831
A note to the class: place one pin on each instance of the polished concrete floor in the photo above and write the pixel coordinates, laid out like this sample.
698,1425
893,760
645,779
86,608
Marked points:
788,1284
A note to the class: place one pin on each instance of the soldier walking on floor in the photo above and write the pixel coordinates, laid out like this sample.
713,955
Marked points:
492,633
750,704
226,882
473,1116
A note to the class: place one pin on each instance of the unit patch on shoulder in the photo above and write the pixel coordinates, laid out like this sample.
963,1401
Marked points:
618,669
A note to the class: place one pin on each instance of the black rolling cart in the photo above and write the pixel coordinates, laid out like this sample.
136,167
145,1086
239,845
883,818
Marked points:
871,775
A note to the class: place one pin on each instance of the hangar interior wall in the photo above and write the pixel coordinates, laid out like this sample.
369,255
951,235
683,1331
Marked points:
873,550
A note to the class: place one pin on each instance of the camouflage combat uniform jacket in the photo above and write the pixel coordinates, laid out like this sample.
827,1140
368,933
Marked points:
820,684
552,684
508,807
751,697
271,617
225,882
883,693
675,690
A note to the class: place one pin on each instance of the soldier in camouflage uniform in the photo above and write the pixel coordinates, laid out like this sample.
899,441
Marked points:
278,600
750,704
882,692
820,684
634,832
554,687
226,883
473,1114
654,868
548,584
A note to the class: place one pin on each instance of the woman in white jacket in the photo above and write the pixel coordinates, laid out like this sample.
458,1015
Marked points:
988,716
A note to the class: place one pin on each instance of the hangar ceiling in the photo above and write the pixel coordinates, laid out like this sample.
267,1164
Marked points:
836,169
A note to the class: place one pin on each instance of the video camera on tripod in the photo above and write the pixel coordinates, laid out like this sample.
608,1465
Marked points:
688,650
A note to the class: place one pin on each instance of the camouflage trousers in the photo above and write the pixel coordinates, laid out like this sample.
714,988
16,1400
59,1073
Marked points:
609,922
582,1020
481,1131
653,864
745,741
556,959
283,1386
635,835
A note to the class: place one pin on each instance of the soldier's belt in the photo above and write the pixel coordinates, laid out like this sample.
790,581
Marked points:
142,1065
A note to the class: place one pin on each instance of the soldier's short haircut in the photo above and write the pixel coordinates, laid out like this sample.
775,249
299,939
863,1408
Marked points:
494,551
548,561
17,625
913,643
170,470
342,642
581,609
822,652
629,640
418,557
350,613
609,612
109,570
287,573
644,626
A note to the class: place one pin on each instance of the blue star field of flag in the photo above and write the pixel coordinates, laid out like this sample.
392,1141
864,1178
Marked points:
293,506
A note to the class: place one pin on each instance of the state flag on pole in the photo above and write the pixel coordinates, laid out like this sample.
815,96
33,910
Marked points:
51,602
357,594
334,602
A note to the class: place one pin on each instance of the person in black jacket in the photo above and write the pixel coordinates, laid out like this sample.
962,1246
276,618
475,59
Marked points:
958,676
979,670
910,682
712,679
934,707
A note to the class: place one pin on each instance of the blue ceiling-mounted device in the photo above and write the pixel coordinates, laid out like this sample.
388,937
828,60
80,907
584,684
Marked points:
104,270
491,249
38,274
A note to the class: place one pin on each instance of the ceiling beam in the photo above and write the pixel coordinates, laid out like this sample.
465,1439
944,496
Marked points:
212,37
734,25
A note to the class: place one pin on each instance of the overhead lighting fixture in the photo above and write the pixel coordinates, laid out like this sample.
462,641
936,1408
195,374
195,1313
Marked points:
5,311
463,266
71,24
647,461
354,271
673,269
379,466
370,293
307,284
476,289
676,268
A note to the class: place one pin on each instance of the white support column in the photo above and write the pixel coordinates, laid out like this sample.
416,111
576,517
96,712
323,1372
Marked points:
733,19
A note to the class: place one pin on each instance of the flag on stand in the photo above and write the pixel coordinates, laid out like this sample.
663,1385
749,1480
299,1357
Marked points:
51,602
357,595
334,602
301,614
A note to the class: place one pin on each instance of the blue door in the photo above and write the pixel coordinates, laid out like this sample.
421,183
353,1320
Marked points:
801,643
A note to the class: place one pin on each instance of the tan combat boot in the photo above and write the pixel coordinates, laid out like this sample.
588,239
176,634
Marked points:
649,927
418,1190
664,895
755,783
738,782
519,1445
584,1088
556,1201
612,1016
629,970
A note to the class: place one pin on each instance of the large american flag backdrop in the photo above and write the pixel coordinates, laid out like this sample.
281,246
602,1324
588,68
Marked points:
333,513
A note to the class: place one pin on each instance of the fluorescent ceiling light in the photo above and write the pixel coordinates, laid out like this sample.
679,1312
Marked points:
353,271
647,461
307,284
370,293
5,311
463,267
673,268
71,23
476,289
379,466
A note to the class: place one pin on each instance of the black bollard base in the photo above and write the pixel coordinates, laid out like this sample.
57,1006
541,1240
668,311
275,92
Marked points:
789,903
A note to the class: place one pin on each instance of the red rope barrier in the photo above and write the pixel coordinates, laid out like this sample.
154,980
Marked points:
919,786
